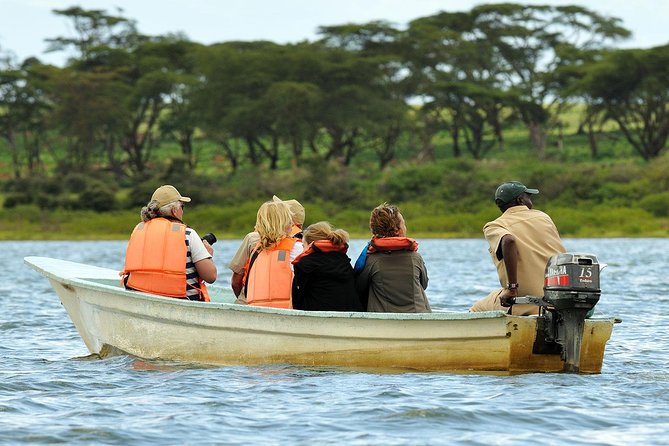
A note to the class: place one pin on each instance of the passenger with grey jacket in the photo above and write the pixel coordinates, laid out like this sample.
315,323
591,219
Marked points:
394,276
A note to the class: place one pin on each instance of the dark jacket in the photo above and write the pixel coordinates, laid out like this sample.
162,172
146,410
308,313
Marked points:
324,281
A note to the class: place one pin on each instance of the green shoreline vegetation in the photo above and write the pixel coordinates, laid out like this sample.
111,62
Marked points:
431,116
450,198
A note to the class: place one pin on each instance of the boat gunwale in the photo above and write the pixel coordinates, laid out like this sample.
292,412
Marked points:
91,283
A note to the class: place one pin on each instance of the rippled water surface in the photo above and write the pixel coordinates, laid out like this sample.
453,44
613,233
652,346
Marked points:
52,392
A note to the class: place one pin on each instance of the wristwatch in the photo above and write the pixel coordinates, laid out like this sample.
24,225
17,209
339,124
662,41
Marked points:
511,286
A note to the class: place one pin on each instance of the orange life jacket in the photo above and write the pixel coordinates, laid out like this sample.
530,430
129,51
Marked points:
165,274
269,276
322,246
380,244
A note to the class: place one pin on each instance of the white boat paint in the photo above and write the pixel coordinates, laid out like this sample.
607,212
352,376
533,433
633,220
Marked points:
110,318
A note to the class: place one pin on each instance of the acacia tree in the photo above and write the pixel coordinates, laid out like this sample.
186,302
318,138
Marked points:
631,87
135,75
216,66
155,72
292,107
94,29
457,77
24,111
181,118
531,44
89,92
382,91
305,95
236,77
86,113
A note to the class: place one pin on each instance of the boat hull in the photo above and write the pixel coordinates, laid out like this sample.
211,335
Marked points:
110,318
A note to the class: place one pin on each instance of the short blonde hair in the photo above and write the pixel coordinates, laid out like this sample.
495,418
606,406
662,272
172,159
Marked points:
323,230
273,223
385,220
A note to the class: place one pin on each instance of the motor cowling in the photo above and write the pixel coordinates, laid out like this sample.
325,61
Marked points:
571,287
571,280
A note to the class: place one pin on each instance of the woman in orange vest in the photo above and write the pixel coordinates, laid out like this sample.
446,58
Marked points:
166,257
269,273
241,258
324,278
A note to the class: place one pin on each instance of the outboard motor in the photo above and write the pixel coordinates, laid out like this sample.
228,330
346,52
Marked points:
571,287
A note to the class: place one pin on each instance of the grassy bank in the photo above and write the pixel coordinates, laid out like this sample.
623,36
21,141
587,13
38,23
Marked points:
232,222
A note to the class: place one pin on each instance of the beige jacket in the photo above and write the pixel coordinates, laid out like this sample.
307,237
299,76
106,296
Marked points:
537,240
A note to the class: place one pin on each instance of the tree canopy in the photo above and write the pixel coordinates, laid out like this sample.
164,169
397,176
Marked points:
360,90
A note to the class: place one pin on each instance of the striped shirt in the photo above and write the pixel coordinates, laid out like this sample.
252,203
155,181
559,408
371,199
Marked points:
195,251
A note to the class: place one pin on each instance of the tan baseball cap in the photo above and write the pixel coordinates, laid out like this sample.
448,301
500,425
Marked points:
168,194
296,209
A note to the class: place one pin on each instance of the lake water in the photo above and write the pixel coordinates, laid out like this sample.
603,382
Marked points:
51,392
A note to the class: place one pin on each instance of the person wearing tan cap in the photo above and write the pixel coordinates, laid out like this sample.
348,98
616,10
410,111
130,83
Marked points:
166,257
238,263
520,241
297,211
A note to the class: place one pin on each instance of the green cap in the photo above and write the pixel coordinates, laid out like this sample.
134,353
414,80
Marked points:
507,192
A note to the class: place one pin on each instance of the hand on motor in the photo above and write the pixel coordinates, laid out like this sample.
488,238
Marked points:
507,297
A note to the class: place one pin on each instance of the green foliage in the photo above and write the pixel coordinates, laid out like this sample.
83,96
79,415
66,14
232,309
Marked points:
46,202
232,124
98,197
225,220
656,204
412,182
75,191
75,181
603,221
323,181
355,221
14,199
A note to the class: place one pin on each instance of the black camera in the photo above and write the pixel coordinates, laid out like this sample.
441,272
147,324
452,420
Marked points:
211,238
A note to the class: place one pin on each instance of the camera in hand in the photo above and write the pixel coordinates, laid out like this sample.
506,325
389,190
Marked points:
211,238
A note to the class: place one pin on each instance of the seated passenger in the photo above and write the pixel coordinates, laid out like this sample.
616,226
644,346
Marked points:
324,278
394,277
166,257
238,263
269,271
520,241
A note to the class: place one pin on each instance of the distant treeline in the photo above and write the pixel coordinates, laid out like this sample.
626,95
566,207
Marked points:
363,90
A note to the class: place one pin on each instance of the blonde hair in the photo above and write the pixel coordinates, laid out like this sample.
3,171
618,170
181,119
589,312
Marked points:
151,210
323,230
273,223
385,220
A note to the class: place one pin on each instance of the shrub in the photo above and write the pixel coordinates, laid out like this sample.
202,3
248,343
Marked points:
69,201
76,182
97,197
16,198
412,182
329,182
140,193
46,201
656,204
